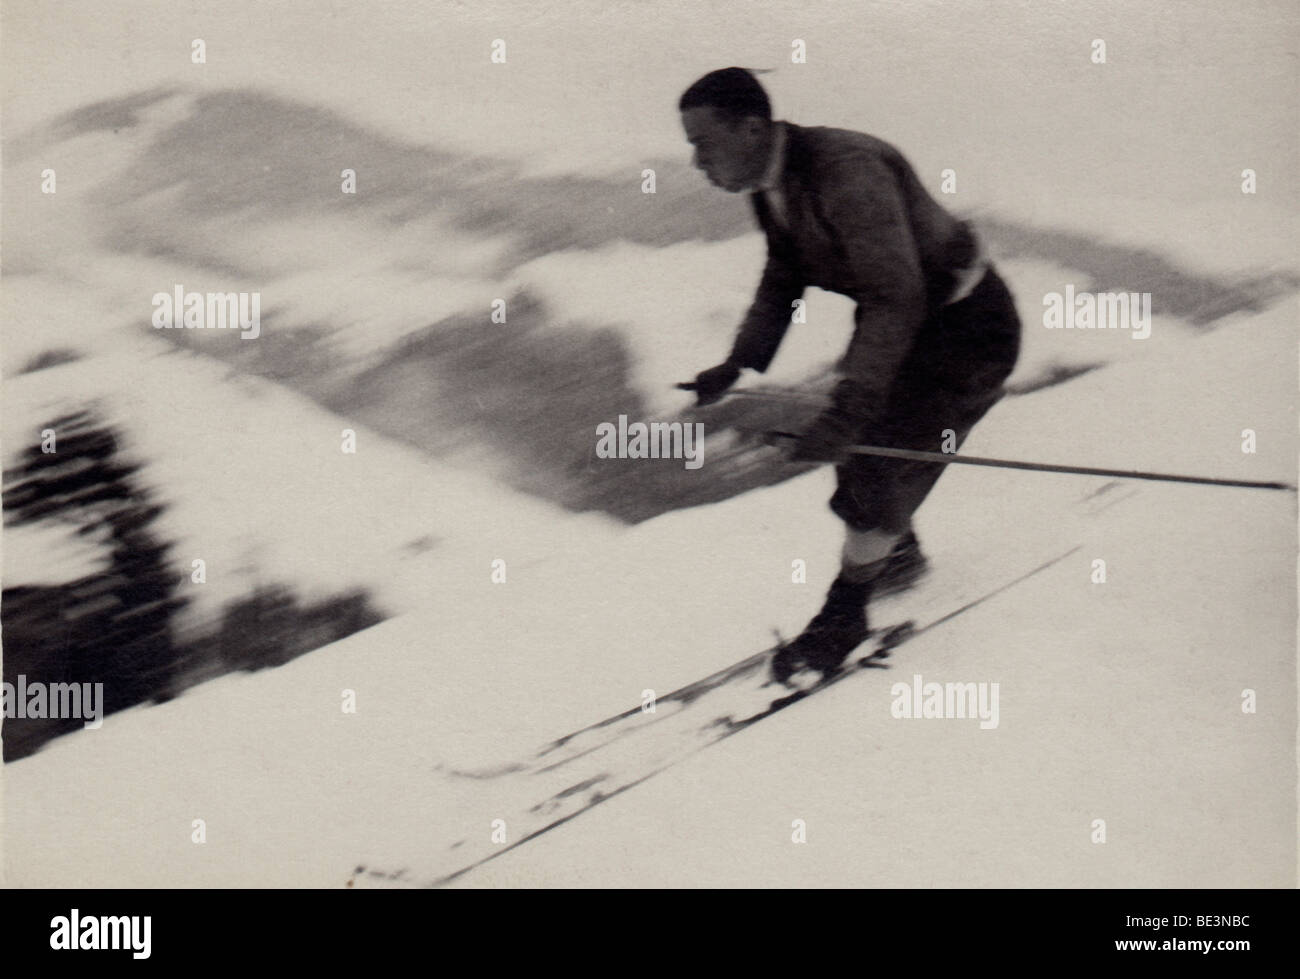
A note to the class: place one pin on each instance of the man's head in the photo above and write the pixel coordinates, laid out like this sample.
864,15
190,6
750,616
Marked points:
728,119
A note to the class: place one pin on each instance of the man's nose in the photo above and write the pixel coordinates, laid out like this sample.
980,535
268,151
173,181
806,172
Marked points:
697,161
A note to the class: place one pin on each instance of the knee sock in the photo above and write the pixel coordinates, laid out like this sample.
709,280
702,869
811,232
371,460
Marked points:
865,553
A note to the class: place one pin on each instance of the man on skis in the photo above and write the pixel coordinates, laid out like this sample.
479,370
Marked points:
936,331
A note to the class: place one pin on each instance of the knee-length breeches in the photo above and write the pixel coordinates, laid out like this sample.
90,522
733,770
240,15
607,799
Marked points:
952,377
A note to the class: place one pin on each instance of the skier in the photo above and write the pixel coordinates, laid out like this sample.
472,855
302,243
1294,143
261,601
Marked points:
935,330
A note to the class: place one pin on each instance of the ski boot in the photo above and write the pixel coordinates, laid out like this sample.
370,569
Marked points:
838,629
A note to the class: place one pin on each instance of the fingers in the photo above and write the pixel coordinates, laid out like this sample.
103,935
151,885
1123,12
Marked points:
704,394
710,385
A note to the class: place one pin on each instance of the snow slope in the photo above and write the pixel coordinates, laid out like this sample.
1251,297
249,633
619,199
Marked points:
1120,701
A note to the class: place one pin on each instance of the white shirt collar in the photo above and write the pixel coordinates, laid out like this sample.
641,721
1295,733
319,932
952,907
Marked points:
771,179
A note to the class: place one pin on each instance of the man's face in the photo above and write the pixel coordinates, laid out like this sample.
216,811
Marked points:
732,156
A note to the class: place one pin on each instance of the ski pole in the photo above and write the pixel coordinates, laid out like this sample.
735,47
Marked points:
769,394
782,394
942,457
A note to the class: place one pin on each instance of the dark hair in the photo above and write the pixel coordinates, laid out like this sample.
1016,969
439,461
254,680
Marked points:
734,92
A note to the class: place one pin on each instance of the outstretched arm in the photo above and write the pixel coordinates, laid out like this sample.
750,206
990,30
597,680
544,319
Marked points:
765,324
864,210
868,215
